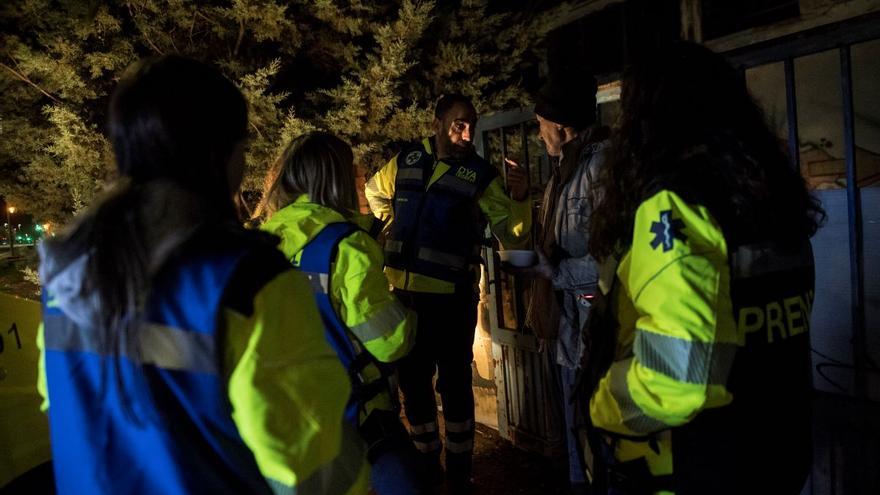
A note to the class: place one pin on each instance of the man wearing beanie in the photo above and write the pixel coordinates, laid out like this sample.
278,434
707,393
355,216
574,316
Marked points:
566,276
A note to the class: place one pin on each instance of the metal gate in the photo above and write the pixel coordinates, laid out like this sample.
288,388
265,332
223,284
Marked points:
524,379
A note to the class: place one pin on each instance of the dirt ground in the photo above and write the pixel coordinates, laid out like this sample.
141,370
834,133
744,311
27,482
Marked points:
501,468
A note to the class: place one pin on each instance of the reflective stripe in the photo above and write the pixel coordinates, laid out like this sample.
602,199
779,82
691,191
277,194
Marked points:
172,348
338,476
759,259
632,416
279,488
425,447
410,174
460,426
441,258
382,323
424,428
320,282
392,246
684,360
159,345
458,185
459,447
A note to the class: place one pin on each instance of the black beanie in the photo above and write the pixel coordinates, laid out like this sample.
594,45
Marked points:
568,100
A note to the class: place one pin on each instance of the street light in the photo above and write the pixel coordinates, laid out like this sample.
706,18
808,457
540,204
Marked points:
9,212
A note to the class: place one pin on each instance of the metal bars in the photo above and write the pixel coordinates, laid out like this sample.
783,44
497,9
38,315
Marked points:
791,112
841,37
854,214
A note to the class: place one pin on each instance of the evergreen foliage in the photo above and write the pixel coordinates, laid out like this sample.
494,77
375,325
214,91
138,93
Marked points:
368,71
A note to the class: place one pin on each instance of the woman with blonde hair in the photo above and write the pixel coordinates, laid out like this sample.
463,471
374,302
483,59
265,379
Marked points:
311,204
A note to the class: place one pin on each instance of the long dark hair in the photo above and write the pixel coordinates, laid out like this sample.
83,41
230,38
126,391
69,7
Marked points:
689,124
174,124
318,164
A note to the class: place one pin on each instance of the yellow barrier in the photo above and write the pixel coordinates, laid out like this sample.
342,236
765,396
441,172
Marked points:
24,430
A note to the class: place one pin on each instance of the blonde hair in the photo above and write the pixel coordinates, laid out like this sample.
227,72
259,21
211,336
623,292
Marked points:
318,164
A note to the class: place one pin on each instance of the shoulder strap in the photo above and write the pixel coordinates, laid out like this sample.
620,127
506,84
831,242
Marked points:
315,263
319,253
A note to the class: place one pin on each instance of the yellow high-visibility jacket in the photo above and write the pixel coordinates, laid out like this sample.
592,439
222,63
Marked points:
679,330
359,289
287,391
673,295
510,221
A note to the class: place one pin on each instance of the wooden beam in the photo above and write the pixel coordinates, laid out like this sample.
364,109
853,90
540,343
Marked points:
809,19
578,10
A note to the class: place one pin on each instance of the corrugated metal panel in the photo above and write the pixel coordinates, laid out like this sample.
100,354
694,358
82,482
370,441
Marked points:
531,393
526,386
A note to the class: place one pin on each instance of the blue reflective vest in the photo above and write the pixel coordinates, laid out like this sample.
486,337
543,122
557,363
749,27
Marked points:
183,439
437,231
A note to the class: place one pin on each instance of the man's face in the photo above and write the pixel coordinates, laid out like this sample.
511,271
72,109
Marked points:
455,131
552,135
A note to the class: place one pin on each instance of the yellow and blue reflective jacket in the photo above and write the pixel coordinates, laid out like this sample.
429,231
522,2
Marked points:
711,365
359,290
509,220
269,358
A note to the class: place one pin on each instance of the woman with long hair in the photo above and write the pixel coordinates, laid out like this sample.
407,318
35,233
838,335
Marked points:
699,360
181,354
311,203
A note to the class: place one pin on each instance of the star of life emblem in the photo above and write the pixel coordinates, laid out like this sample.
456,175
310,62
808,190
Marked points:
413,157
666,231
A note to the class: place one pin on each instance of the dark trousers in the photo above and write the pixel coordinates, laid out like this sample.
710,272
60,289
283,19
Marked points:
444,342
576,474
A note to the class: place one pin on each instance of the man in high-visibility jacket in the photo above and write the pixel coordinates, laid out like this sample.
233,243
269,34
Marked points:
437,196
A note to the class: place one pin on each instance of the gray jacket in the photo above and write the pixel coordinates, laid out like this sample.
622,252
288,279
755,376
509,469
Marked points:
578,273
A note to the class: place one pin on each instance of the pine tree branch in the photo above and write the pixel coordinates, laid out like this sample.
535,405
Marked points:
192,26
27,80
257,129
203,16
143,31
150,42
171,39
240,37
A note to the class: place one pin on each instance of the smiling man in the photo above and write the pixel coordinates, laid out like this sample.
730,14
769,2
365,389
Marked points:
436,197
